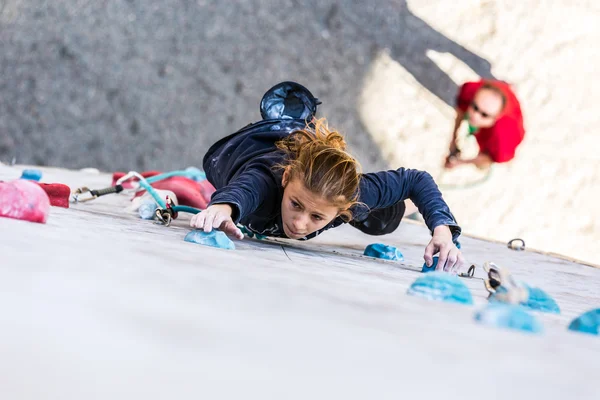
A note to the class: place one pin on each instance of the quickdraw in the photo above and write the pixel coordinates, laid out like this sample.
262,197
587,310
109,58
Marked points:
501,284
166,211
93,194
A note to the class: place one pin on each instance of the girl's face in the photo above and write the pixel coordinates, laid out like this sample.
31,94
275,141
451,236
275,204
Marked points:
302,211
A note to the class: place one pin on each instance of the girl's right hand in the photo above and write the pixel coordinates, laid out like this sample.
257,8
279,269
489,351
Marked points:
217,216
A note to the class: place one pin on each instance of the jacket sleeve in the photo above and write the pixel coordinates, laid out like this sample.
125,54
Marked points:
386,188
247,191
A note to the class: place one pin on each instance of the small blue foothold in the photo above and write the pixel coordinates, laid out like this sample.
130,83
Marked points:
441,286
32,174
432,268
214,239
383,251
508,316
147,209
588,322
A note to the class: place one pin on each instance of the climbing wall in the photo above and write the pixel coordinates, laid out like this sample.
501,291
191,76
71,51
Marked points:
98,303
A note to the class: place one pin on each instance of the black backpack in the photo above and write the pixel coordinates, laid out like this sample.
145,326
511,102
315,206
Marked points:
288,100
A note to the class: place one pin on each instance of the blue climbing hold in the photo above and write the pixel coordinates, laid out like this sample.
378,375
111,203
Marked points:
588,322
214,239
383,251
508,316
540,301
147,209
441,286
32,174
537,299
432,268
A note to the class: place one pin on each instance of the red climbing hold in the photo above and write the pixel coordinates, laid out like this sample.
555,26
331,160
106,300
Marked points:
58,193
25,200
188,192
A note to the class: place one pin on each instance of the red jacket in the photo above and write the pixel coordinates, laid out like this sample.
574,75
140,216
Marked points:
501,140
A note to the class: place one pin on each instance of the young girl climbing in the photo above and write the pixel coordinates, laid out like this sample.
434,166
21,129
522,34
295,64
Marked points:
284,177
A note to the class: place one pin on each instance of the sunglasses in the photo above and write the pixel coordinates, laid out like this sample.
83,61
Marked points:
482,113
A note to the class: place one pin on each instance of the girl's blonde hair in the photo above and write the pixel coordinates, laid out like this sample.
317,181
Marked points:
317,156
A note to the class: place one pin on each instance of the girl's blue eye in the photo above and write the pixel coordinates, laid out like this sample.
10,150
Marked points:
317,217
295,205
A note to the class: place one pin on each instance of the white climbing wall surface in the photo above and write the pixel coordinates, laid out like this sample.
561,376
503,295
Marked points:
97,304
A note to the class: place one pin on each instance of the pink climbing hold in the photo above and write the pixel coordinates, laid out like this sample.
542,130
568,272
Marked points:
25,200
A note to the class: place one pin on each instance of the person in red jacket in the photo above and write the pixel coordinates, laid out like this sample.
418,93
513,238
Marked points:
494,116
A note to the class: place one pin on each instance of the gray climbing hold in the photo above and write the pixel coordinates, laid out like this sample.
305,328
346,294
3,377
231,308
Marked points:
508,316
588,322
441,286
31,174
214,239
383,251
426,269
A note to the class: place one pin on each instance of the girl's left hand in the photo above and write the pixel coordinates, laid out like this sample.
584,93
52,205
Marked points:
450,258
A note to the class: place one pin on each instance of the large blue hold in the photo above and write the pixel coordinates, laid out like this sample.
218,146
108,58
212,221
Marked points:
213,239
588,322
441,286
383,251
508,316
537,300
31,174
